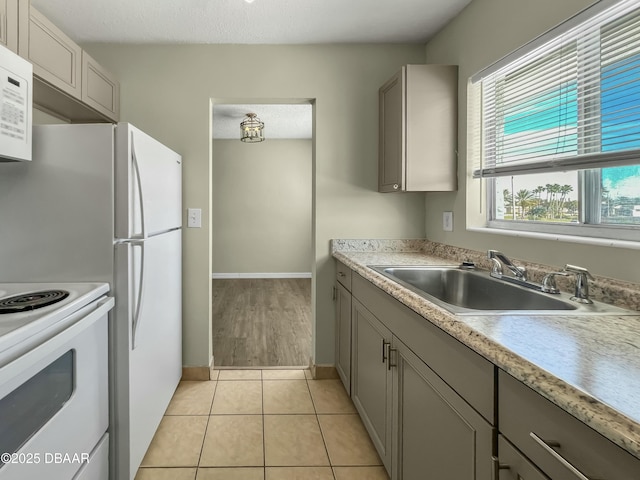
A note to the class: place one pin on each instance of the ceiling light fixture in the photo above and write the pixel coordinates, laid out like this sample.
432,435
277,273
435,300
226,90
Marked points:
249,1
251,129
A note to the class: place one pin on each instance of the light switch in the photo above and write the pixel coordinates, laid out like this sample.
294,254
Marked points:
447,221
194,217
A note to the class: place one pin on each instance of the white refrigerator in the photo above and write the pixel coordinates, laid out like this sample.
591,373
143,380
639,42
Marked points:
103,202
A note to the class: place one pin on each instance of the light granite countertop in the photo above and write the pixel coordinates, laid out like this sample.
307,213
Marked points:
587,365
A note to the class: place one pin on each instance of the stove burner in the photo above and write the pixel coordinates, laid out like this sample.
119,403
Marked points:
31,301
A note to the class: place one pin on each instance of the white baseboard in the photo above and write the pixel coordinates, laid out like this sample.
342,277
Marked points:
221,276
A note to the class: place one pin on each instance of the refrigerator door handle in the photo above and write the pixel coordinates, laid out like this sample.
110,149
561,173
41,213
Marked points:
138,181
135,324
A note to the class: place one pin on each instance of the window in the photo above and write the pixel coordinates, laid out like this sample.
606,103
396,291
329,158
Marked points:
554,128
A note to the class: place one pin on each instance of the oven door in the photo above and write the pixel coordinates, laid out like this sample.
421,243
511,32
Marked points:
54,402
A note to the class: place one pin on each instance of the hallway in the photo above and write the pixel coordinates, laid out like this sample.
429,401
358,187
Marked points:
261,322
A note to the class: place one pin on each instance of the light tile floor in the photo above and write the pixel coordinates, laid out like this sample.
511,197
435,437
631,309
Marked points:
261,425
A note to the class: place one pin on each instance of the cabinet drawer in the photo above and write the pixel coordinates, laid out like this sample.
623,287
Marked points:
513,465
469,374
343,274
558,443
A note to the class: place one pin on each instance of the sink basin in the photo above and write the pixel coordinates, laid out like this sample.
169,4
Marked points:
475,292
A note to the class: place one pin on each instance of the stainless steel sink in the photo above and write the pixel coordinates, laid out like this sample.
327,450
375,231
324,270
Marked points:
474,292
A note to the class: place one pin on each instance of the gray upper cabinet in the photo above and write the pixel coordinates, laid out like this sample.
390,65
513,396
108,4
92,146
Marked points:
9,24
100,90
418,130
67,81
55,57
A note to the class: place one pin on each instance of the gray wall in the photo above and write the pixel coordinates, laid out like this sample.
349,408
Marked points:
261,206
41,117
483,33
166,91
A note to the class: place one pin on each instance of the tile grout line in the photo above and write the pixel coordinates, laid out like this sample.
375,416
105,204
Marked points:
215,390
264,433
324,442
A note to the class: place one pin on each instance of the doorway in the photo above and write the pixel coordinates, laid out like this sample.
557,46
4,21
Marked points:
262,236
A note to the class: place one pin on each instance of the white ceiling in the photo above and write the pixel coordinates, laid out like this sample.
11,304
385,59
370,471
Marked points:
280,121
260,22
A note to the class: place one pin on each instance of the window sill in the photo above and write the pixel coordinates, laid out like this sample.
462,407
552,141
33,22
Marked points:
602,242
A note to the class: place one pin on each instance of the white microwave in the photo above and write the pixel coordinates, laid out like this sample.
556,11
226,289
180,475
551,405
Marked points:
16,98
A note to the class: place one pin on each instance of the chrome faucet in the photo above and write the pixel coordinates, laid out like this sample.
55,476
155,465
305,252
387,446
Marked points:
549,282
498,260
582,283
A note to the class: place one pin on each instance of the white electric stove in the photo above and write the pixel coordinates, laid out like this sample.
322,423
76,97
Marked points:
54,395
23,324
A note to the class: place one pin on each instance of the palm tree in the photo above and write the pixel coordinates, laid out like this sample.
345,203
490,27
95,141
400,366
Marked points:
553,190
548,188
524,200
537,191
564,191
508,200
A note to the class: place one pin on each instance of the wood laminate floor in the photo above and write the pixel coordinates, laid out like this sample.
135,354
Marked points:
261,322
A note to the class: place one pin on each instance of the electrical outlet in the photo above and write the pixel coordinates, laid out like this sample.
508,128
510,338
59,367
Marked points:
194,217
447,221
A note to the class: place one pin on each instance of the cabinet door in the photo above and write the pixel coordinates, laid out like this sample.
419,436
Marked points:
559,444
343,335
100,90
439,436
371,378
512,465
55,57
9,24
391,143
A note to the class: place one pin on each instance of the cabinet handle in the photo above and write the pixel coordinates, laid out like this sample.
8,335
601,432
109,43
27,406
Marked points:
385,346
389,364
396,186
549,447
497,466
334,293
341,274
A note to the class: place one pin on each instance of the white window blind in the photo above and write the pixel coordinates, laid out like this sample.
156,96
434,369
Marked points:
570,100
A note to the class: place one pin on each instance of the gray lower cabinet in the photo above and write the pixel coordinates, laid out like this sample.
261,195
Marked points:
342,299
371,379
343,335
438,435
557,443
421,428
430,405
512,465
